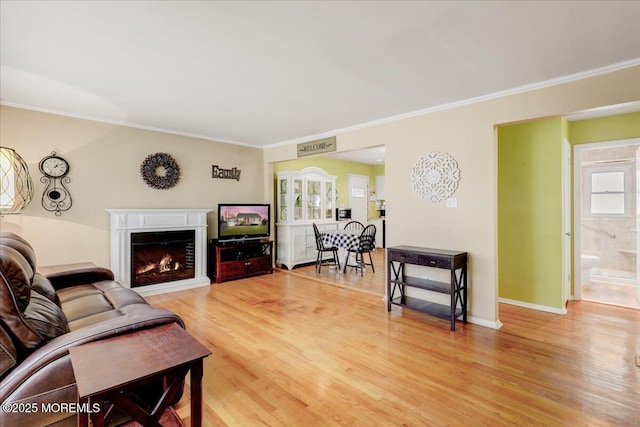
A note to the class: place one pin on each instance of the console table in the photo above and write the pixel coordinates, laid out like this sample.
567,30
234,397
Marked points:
398,257
107,370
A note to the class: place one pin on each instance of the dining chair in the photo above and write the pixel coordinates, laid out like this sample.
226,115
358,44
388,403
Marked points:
322,249
366,244
354,226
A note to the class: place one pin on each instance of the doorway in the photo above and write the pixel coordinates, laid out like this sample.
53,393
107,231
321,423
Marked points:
358,190
606,185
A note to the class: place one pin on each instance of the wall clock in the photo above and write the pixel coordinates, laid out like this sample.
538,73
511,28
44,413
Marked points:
55,197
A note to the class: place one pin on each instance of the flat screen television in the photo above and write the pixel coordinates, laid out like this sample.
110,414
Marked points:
243,221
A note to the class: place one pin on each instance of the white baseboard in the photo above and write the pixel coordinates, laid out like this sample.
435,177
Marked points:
178,285
534,306
497,324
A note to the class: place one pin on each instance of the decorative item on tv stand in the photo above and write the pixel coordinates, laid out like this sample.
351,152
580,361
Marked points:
304,197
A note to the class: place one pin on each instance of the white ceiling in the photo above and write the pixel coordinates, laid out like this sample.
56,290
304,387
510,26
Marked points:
263,72
371,156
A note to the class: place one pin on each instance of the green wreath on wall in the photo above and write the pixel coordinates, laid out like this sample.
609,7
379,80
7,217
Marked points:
160,171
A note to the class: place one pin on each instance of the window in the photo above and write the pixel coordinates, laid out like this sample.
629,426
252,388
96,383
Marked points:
608,190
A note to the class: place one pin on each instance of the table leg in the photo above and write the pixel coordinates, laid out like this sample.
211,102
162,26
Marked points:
196,393
83,416
96,418
343,256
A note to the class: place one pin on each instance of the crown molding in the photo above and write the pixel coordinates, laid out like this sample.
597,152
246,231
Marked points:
451,105
123,123
448,106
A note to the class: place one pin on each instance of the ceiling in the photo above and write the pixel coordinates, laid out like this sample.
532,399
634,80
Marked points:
262,72
371,156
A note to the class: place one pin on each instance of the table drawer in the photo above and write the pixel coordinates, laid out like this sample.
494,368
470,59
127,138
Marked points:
408,257
420,259
435,262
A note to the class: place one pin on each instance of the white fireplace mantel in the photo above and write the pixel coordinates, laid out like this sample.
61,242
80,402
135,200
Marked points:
123,222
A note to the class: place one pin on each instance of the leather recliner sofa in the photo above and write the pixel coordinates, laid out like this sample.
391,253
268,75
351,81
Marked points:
42,317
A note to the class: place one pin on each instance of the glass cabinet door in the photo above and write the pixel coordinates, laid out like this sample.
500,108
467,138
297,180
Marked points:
314,199
329,201
283,202
297,199
308,196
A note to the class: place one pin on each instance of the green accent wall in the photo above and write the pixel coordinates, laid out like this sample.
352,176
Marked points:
530,212
378,170
611,128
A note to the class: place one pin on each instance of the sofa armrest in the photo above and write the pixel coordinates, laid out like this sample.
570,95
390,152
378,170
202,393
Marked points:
80,276
47,372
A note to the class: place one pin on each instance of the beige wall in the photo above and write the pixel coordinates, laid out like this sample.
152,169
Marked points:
468,134
105,173
105,162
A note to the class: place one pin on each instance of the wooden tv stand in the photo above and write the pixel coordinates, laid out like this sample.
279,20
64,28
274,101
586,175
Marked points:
235,260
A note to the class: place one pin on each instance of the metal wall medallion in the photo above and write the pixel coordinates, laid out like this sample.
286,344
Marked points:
435,176
160,171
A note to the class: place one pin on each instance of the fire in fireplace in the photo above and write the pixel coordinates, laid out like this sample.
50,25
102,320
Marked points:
165,256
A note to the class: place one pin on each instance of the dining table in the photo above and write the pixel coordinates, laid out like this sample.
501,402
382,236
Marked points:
345,241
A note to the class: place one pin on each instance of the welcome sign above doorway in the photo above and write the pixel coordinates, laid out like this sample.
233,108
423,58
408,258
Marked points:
319,146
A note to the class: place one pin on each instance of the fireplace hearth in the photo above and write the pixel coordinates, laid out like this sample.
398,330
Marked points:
162,256
159,250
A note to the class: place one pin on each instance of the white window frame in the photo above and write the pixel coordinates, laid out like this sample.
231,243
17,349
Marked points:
595,169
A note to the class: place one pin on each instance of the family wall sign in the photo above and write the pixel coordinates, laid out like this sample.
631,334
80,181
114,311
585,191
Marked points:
220,173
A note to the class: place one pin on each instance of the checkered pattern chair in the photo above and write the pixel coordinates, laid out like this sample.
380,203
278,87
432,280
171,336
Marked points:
354,226
367,243
322,250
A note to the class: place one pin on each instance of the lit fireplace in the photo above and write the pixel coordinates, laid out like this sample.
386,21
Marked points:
159,250
160,257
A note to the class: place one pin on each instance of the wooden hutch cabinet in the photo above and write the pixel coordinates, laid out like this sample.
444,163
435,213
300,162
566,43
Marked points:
303,198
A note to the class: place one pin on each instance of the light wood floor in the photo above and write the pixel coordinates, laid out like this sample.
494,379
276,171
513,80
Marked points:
292,351
371,282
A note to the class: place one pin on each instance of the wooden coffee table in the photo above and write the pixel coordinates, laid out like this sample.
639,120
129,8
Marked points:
106,370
